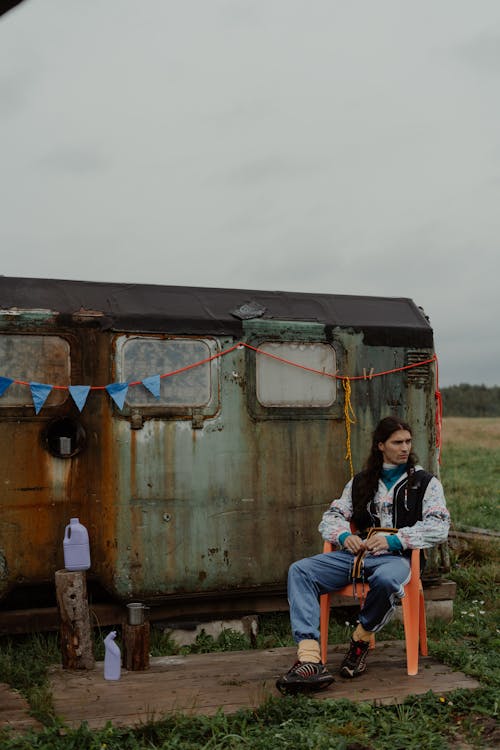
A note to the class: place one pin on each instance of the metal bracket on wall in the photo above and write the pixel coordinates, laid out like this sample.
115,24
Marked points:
136,421
197,420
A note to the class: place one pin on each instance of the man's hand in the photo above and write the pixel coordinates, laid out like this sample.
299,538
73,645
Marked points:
377,543
354,544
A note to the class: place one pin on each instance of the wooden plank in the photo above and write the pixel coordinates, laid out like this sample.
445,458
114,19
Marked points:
473,532
14,711
205,683
102,615
442,591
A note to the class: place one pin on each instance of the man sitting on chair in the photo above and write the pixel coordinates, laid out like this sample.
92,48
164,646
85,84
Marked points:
392,493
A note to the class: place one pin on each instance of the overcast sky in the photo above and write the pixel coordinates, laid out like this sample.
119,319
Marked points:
305,145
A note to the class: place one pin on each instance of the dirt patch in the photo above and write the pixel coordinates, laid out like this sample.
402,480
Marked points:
482,432
488,729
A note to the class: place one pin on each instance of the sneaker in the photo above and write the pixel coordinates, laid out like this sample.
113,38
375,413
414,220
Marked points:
354,662
304,676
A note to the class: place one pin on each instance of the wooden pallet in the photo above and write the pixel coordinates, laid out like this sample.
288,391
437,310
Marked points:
14,711
204,683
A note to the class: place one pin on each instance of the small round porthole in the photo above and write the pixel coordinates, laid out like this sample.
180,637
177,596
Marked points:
64,437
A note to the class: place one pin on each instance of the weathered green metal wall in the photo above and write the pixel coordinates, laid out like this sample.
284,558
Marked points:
182,506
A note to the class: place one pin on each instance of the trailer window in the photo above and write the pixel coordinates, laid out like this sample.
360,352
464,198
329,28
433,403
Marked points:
40,359
142,357
281,384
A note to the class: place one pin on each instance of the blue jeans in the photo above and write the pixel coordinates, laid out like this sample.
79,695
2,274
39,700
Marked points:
312,576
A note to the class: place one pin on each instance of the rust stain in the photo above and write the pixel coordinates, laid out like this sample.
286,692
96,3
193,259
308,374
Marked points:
104,511
30,489
133,462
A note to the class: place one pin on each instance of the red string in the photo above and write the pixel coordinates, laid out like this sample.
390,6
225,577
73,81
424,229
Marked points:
165,375
439,413
272,356
196,364
294,364
335,375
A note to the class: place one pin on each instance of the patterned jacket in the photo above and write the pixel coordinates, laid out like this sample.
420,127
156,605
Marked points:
430,531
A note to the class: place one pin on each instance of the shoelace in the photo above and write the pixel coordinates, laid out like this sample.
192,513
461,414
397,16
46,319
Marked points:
355,652
305,670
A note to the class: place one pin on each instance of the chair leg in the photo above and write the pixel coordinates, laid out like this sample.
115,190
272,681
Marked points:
412,615
324,620
422,624
410,621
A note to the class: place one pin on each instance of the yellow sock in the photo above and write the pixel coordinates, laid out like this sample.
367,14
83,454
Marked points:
308,650
360,634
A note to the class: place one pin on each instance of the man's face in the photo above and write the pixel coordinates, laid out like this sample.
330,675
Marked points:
396,448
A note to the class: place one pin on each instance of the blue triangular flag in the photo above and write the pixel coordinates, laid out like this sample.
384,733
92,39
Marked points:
153,385
4,384
79,394
39,393
118,392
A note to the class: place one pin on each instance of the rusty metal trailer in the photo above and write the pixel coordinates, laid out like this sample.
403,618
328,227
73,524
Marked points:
198,433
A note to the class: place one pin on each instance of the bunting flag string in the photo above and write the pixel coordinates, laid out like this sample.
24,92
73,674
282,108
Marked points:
118,391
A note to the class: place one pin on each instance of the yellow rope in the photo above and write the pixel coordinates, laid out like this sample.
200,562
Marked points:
350,418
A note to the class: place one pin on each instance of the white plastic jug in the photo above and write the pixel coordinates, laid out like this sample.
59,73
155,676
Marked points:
76,546
112,658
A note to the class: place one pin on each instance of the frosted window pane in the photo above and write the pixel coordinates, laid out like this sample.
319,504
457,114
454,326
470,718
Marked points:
40,359
280,384
144,357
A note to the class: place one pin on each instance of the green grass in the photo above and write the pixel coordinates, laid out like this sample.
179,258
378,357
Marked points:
431,721
470,643
23,665
470,476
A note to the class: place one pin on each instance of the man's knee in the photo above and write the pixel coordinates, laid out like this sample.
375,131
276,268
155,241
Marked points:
387,579
298,568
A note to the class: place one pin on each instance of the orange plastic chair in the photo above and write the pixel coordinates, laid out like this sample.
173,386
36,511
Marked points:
413,613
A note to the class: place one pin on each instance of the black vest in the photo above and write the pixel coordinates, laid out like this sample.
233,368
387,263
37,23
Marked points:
407,502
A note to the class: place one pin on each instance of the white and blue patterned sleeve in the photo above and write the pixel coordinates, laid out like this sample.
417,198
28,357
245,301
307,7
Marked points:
435,524
336,520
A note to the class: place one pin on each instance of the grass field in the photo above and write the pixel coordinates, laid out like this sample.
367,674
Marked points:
471,643
470,471
480,433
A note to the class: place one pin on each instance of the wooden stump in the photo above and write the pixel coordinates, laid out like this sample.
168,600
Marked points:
135,643
76,641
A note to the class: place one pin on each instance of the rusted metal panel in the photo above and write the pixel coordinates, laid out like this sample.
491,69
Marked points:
216,496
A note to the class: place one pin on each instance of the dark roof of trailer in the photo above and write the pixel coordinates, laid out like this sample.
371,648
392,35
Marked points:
6,5
180,309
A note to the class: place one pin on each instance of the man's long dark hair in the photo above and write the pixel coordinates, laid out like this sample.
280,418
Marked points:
368,481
